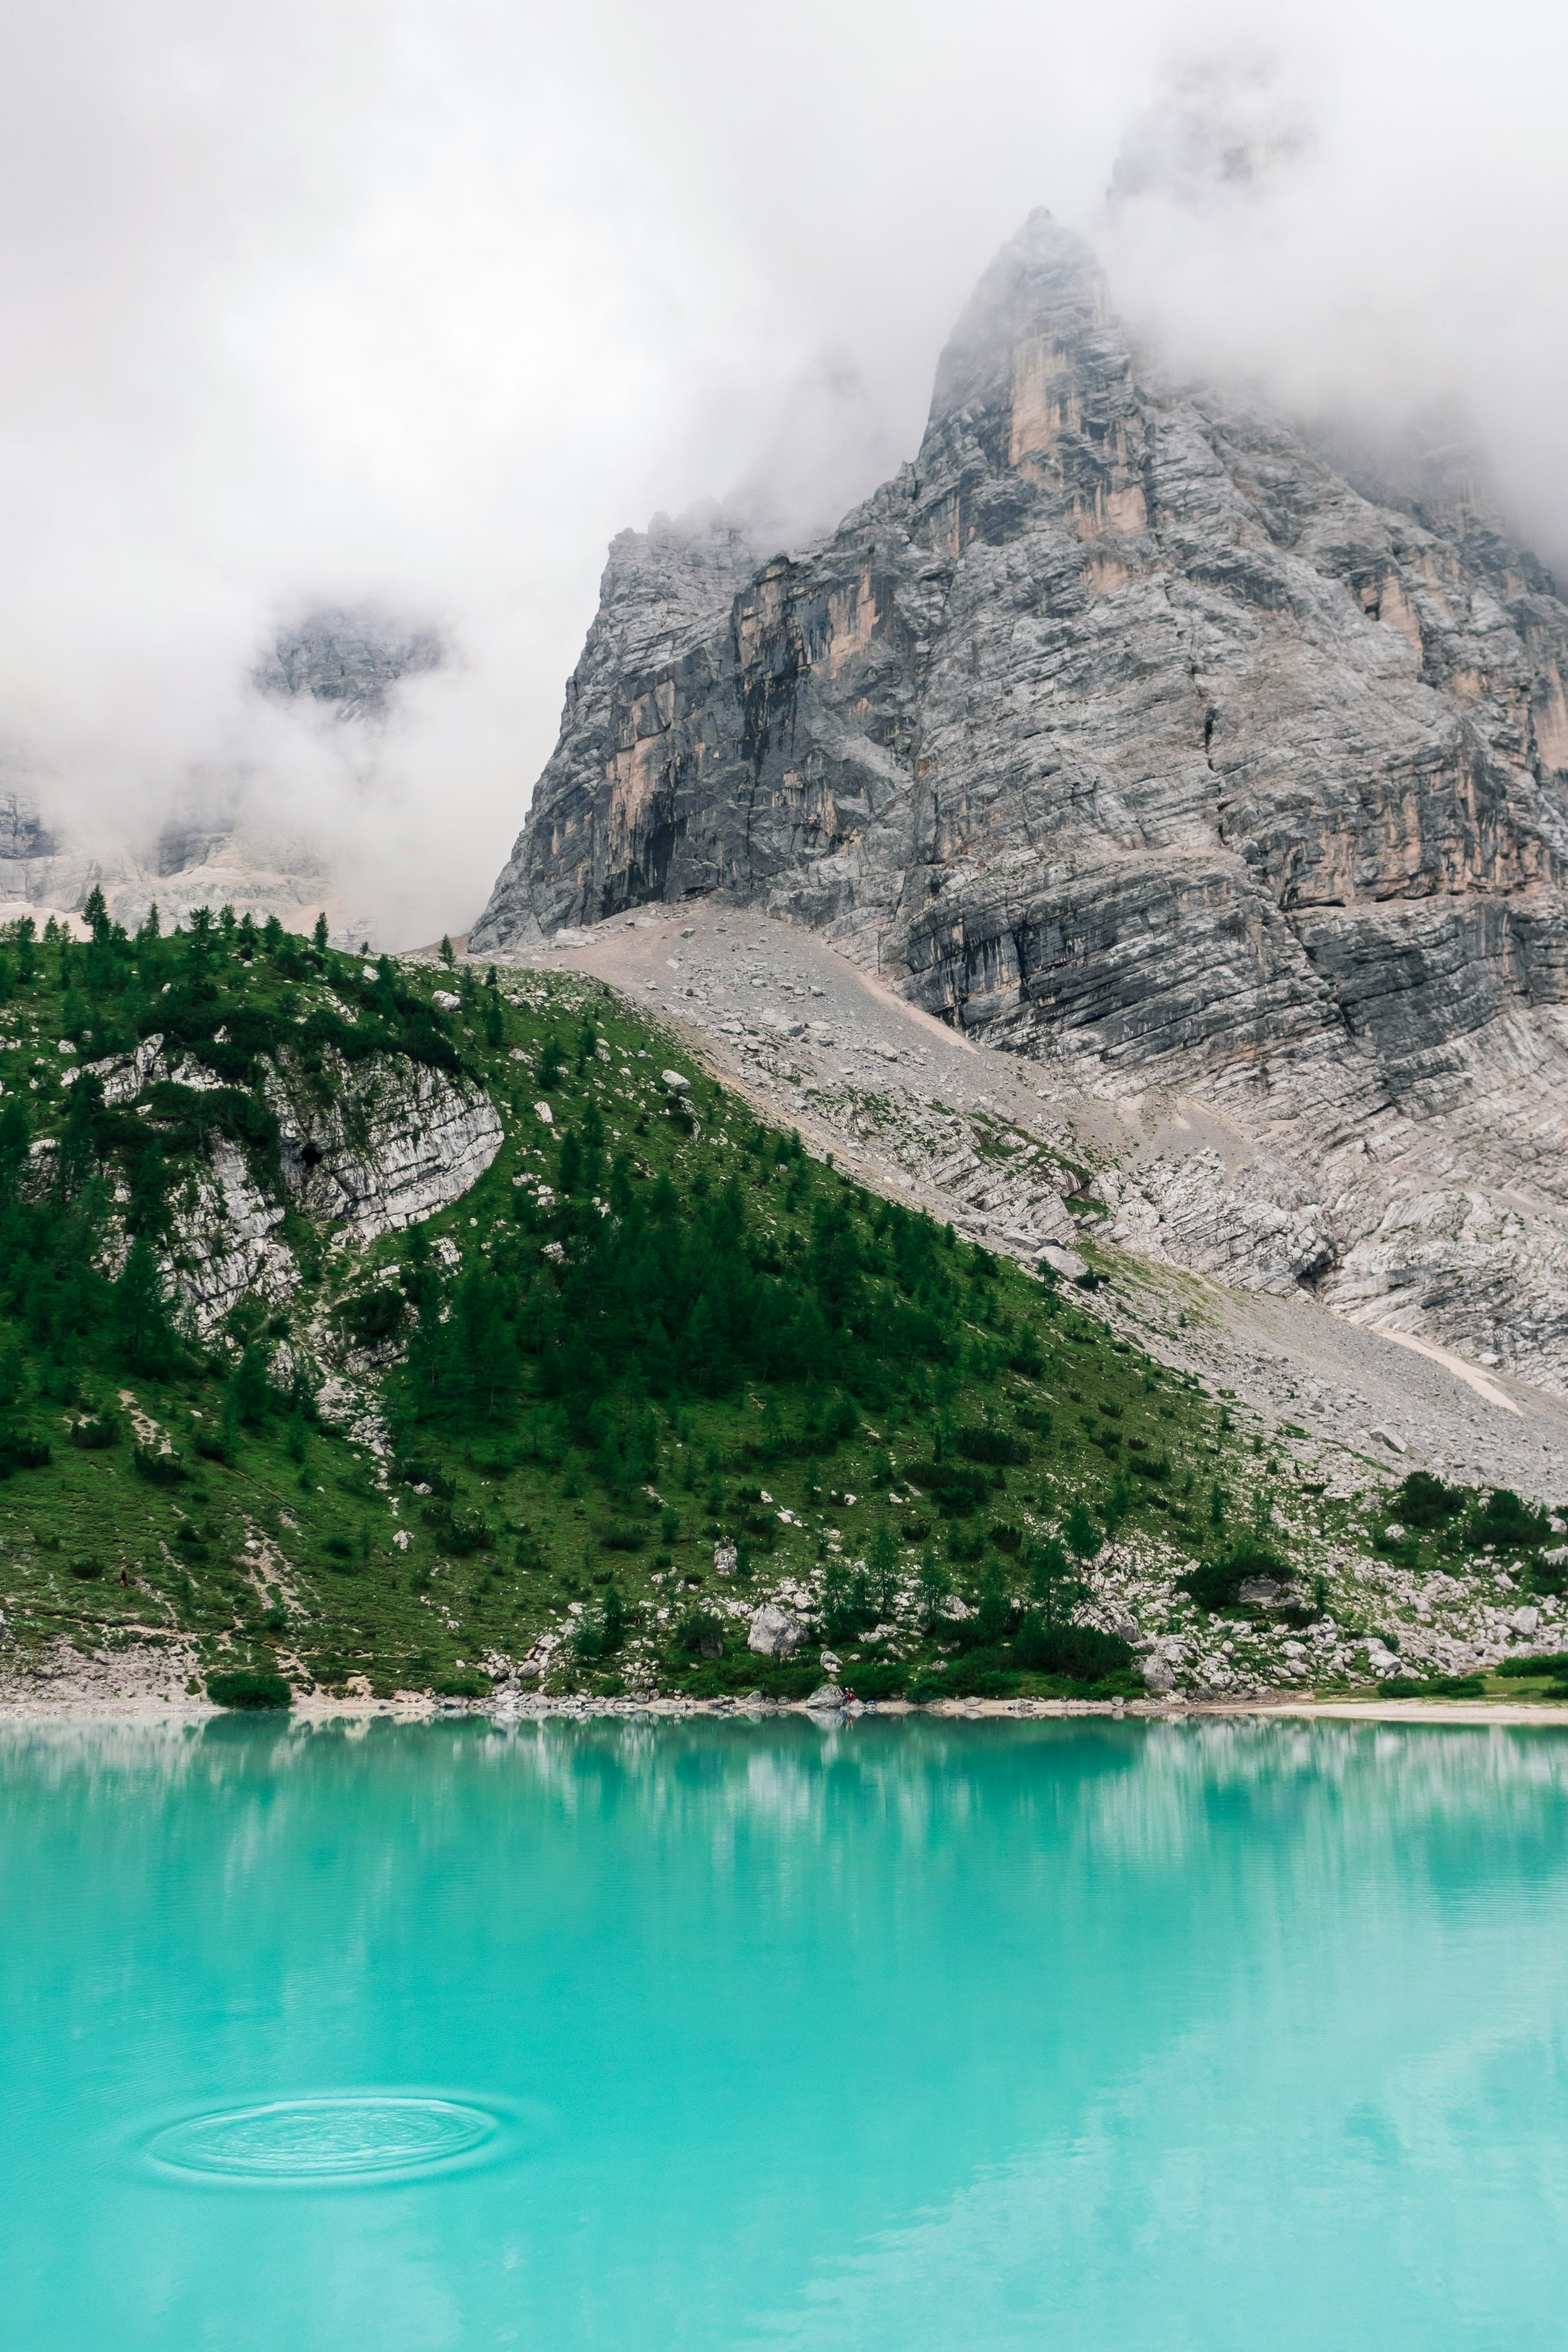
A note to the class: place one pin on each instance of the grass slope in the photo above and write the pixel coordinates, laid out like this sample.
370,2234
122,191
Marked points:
653,1335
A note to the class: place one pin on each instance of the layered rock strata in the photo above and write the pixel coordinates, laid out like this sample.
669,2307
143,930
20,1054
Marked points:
1124,731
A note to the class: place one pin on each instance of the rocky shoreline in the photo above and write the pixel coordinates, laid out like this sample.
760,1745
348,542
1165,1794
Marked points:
420,1707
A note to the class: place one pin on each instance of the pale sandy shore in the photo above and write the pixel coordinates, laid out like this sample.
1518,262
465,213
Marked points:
418,1709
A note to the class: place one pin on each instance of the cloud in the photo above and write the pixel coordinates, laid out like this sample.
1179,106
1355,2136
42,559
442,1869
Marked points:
415,304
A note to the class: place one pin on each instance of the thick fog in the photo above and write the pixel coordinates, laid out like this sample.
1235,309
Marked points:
408,306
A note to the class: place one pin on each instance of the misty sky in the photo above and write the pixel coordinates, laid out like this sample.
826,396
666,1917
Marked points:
421,300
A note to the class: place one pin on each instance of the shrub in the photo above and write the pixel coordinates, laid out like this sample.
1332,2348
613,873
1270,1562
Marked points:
248,1688
1509,1523
696,1631
86,1570
19,1453
462,1533
986,1681
1557,1664
925,1689
470,1684
410,1472
992,1446
95,1432
1215,1584
160,1469
877,1679
956,1491
1424,1501
1435,1686
374,1316
1082,1653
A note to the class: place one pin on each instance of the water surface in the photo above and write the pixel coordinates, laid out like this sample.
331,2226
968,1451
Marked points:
905,2035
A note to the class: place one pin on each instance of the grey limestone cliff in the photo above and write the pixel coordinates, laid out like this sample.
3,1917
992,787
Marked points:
1123,730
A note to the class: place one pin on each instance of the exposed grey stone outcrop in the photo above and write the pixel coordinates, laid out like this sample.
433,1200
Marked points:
776,1632
350,661
366,1146
379,1145
1123,730
225,1244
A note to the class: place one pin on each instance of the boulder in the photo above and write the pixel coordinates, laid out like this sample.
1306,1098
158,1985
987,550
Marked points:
1159,1675
1525,1621
724,1559
675,1082
445,999
774,1633
826,1699
1065,1262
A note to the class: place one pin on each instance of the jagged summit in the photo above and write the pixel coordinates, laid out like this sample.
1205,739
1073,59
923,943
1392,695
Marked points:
350,660
1045,287
1123,730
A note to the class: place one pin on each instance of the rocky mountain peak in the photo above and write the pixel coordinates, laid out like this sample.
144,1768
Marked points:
1039,304
350,660
1132,730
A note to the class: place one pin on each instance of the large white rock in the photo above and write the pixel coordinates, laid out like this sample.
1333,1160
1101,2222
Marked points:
774,1633
379,1144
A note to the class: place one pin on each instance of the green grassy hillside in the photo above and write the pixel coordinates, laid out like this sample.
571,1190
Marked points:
654,1329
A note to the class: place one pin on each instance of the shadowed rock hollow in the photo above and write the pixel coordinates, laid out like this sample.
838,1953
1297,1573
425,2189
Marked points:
1124,731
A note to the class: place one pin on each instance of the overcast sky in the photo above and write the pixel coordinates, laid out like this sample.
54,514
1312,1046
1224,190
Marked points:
422,300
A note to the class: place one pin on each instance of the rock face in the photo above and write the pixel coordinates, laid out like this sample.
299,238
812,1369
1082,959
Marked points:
381,1145
1125,732
350,661
364,1149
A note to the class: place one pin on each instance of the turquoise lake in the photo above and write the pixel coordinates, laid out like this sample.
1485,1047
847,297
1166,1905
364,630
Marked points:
909,2035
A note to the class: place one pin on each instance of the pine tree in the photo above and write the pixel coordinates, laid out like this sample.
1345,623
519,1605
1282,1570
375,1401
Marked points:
884,1568
319,935
139,1313
1081,1534
447,956
16,1138
990,1617
1053,1586
252,1390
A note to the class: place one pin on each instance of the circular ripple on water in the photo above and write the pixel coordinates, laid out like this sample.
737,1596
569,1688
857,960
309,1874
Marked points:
325,2139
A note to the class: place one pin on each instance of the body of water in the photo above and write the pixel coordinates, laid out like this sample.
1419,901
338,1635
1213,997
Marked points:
905,2035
